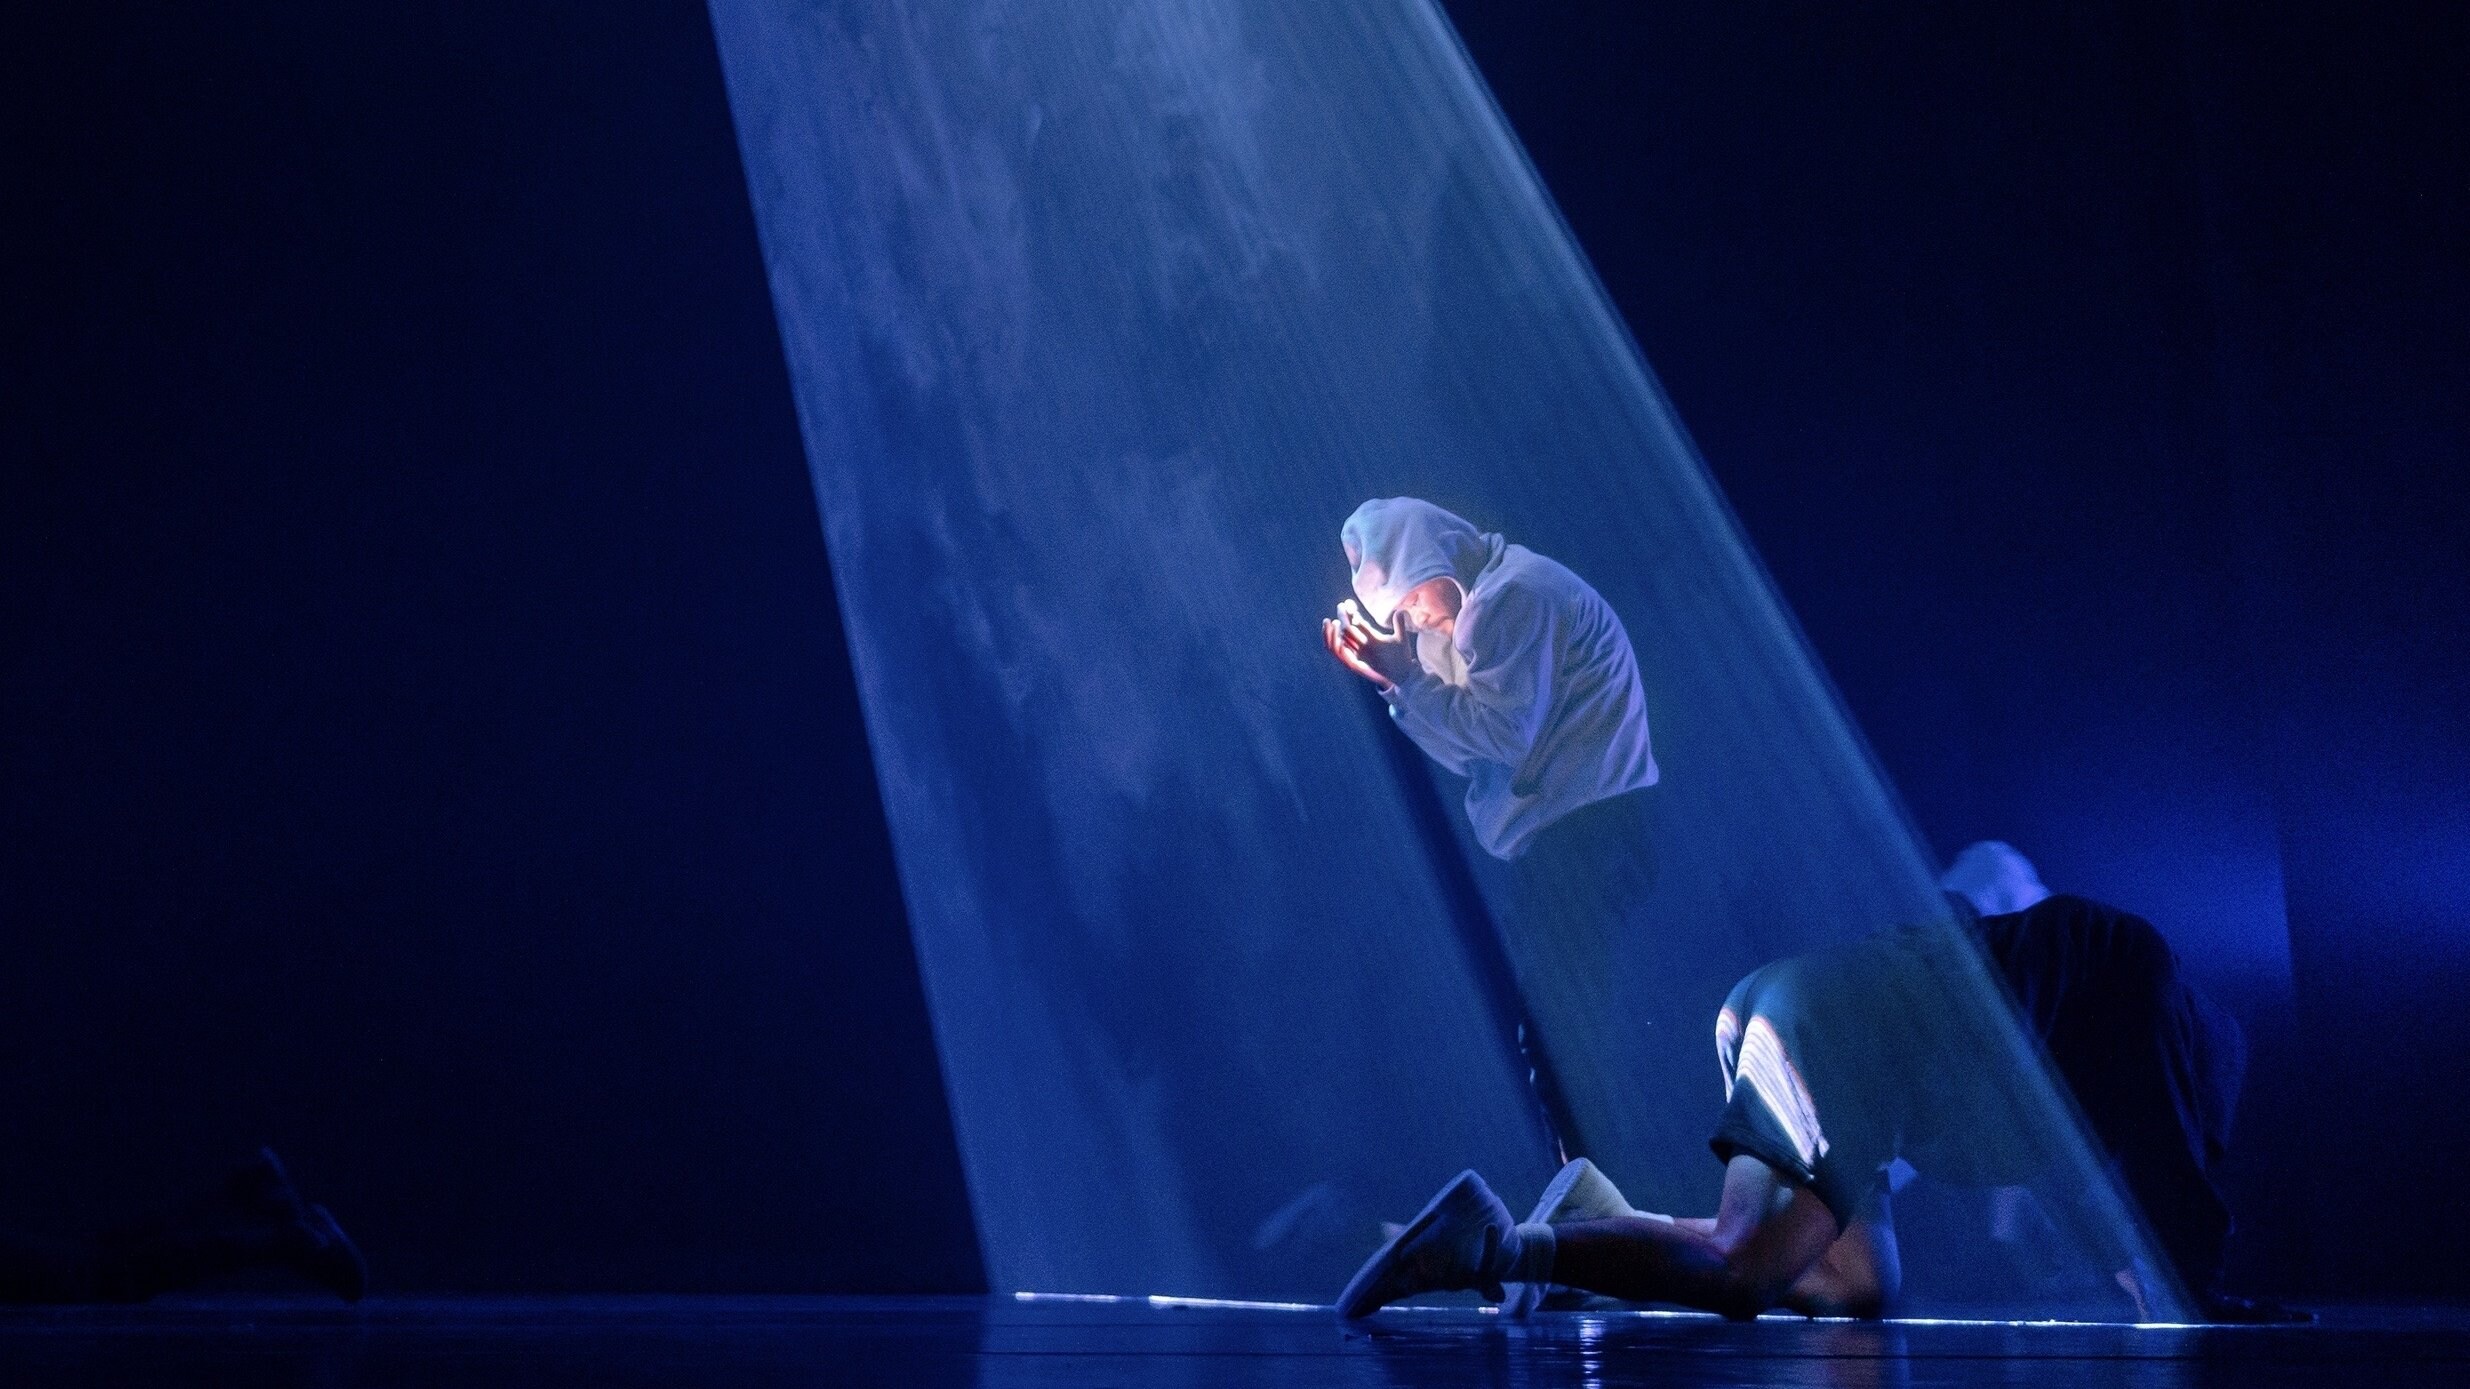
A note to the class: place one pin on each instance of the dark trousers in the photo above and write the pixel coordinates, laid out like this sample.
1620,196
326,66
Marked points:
1608,1028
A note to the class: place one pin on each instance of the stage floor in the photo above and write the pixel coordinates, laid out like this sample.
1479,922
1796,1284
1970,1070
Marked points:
929,1343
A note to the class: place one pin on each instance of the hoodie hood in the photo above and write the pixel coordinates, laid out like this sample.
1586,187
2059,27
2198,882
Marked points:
1994,878
1394,543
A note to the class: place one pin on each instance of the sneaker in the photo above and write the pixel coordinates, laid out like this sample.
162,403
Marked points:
332,1261
1463,1240
261,1189
315,1246
1580,1192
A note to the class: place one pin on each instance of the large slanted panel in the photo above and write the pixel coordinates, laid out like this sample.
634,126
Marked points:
1102,315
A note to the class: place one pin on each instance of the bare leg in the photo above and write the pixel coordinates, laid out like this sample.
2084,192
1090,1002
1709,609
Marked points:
1856,1277
1766,1236
1860,1272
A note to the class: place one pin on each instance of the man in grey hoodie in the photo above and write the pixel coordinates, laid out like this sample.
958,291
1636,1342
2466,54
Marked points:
1504,667
1514,673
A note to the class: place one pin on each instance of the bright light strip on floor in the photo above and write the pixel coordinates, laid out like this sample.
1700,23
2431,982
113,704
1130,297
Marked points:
2045,1321
1164,1300
1595,1320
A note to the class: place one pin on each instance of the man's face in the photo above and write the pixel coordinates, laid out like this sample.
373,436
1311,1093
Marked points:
1431,606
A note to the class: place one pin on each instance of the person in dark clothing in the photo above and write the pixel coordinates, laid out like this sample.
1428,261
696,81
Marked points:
1835,1063
2154,1065
255,1220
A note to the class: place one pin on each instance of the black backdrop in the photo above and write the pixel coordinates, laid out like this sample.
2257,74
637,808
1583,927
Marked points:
425,740
429,744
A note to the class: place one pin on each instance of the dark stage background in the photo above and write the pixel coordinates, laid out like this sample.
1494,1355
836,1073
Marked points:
425,736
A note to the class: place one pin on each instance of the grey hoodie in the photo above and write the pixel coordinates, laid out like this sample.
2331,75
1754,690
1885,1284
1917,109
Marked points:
1534,698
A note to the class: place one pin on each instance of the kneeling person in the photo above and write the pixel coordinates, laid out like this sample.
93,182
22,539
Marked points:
1836,1062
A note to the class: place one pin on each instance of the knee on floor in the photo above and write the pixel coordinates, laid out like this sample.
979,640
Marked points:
1739,1294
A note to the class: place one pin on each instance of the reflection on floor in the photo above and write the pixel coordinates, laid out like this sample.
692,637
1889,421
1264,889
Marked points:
928,1343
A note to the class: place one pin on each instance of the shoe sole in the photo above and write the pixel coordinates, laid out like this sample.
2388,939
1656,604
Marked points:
338,1263
1525,1298
1362,1296
1571,1173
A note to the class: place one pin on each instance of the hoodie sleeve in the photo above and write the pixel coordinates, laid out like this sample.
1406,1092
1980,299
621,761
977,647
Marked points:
1500,712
